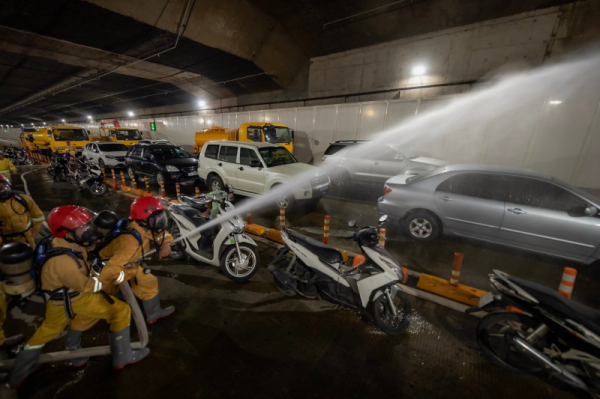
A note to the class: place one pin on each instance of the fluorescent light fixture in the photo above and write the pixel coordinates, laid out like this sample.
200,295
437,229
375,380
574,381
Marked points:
44,123
418,70
554,102
131,113
89,116
63,120
202,103
22,124
32,124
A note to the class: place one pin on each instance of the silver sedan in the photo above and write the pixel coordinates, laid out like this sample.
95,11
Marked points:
509,206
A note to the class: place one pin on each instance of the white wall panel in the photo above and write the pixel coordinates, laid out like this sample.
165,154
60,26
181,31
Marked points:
257,116
347,122
272,116
324,130
243,117
372,120
303,142
288,117
400,111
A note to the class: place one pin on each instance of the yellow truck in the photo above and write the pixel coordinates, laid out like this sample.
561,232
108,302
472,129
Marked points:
60,139
26,139
110,130
261,132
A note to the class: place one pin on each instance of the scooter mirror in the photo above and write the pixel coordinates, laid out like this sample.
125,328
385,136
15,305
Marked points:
352,223
383,218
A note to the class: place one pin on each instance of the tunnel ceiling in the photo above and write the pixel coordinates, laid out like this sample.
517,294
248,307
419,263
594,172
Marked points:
30,76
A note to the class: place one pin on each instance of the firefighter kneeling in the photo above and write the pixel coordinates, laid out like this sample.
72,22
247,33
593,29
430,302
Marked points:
70,290
128,242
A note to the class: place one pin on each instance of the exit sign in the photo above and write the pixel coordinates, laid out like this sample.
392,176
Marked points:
153,126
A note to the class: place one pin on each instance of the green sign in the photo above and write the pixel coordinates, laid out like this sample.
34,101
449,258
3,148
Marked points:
153,126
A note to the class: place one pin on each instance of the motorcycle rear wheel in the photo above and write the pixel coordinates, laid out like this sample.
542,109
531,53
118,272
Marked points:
384,318
98,189
491,337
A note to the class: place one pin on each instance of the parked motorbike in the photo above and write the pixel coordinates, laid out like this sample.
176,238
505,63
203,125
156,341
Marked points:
549,335
21,158
87,176
58,168
224,245
311,269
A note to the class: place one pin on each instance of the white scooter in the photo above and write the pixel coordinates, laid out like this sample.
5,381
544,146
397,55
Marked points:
312,269
223,245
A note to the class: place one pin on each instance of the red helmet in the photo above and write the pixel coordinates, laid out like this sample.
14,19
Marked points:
4,179
149,212
67,218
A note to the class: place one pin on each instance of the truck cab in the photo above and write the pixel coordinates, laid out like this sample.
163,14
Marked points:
258,132
54,139
26,139
124,135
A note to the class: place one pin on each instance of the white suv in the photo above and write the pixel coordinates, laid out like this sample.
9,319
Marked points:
255,168
105,154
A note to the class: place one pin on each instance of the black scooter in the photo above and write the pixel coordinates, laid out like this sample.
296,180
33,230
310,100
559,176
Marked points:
547,334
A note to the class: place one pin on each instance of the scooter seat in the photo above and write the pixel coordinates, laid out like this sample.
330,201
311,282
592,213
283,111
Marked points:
194,203
324,252
576,311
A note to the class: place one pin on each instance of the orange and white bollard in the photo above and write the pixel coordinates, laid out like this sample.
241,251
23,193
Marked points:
163,192
567,282
197,192
281,218
248,214
326,230
456,266
103,174
133,182
114,176
123,181
381,238
177,189
147,184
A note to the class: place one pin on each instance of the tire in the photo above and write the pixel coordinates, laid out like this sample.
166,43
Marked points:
384,318
101,164
215,183
160,176
421,226
289,200
98,189
490,337
339,180
228,256
282,264
177,249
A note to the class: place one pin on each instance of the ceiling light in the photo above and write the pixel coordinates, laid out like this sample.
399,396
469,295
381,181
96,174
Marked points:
44,123
202,104
32,124
89,116
418,70
555,102
63,120
21,124
131,113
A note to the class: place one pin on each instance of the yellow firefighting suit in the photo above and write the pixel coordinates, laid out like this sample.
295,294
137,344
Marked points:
19,221
124,251
62,271
6,167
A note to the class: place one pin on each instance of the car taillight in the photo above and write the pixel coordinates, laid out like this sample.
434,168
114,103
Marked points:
386,190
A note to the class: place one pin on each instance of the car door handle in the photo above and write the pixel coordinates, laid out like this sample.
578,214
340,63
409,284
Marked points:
445,198
241,168
516,211
220,164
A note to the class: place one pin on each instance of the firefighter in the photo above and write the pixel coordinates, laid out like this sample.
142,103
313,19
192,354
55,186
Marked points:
148,223
20,217
69,289
6,166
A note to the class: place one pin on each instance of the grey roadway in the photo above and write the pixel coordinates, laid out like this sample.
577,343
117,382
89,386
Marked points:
231,340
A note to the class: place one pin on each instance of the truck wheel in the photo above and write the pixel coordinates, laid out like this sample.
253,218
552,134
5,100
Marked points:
215,183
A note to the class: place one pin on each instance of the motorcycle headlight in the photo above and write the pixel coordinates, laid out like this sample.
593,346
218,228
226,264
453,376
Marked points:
171,168
398,272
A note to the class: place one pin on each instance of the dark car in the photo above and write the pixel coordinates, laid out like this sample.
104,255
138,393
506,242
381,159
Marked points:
161,161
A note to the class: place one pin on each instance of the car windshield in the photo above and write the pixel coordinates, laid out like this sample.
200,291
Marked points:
426,175
277,134
70,134
126,134
166,153
275,156
333,148
112,147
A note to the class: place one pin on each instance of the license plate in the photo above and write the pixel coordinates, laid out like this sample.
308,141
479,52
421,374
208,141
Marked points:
485,300
324,188
193,174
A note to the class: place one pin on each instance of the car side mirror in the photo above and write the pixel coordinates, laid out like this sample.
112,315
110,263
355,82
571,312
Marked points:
590,211
352,223
293,134
255,164
30,139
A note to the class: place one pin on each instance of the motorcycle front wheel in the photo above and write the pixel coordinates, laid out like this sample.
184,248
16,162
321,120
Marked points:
231,267
491,337
177,249
98,188
384,318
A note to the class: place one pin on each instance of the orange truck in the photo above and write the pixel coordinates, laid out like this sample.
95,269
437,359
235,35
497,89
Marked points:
261,132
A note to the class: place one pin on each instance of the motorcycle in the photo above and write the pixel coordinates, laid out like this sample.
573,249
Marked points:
224,245
58,168
87,176
547,335
315,270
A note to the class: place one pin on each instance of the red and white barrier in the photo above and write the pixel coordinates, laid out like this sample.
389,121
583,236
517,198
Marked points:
567,282
281,217
381,238
326,230
456,266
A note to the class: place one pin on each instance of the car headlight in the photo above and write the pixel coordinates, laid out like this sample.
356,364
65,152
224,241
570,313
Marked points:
171,168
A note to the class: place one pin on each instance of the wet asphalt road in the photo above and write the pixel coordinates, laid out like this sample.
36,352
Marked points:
229,339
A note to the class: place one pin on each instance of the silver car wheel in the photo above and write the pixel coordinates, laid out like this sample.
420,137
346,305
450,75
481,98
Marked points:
420,228
216,185
240,268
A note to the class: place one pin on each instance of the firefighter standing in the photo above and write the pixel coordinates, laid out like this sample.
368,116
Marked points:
20,216
6,166
67,283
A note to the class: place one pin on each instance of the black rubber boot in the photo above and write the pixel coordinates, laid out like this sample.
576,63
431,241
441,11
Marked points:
12,341
24,365
122,353
154,311
74,342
